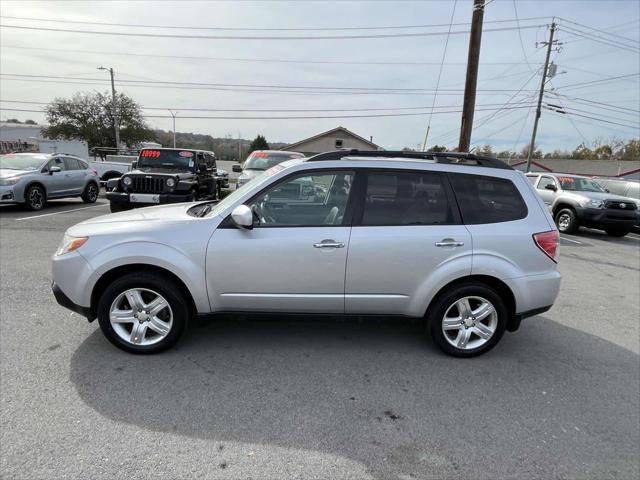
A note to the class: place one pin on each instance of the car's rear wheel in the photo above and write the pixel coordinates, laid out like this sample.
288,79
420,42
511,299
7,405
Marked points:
143,312
90,194
617,232
467,320
567,221
35,198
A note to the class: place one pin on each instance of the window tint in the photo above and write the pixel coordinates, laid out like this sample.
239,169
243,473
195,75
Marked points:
487,199
406,198
71,163
544,181
304,200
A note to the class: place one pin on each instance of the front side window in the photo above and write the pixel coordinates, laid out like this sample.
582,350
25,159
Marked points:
309,200
56,162
544,181
406,198
487,199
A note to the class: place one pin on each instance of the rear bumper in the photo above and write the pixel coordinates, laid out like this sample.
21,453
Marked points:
607,218
122,198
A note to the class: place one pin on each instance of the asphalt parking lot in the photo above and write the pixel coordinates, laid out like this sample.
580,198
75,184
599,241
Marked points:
255,397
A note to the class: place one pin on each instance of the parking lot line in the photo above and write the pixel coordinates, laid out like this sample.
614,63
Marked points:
570,240
57,213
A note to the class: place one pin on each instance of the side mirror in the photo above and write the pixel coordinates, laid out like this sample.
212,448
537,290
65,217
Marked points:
236,168
202,168
54,169
551,187
242,217
134,164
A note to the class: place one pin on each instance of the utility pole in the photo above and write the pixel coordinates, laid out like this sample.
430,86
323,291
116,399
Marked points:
114,106
539,109
173,114
473,62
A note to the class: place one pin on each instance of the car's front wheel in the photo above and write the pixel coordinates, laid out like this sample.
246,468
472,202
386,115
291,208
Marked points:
467,320
35,198
90,194
143,312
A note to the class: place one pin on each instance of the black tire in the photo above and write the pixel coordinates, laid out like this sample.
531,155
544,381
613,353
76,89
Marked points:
156,282
91,192
35,198
615,232
446,299
118,207
567,221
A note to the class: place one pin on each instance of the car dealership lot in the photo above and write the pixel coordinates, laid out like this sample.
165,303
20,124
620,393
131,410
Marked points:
318,397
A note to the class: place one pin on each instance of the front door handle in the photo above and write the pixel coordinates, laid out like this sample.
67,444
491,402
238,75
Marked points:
328,244
449,242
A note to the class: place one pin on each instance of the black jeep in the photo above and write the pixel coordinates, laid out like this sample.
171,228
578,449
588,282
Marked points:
165,175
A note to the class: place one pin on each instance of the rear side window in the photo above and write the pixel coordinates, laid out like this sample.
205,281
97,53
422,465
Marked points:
71,163
83,165
487,199
406,198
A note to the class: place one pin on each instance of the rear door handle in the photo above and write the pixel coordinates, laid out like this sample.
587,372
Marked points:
447,242
328,244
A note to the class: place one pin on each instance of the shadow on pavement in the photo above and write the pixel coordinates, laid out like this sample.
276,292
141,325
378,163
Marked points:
539,405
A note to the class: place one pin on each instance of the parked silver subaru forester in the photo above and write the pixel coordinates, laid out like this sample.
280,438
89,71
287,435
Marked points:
462,241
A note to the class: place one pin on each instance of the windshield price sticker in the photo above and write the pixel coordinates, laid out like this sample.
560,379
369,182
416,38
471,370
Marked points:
191,163
151,153
186,154
567,179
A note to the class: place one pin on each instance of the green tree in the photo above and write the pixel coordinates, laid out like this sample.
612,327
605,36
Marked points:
486,151
582,152
13,120
631,150
30,122
89,117
437,149
259,143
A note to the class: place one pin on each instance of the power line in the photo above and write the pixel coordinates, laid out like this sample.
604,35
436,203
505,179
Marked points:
595,118
257,37
251,60
261,29
444,55
314,117
604,31
602,80
598,39
244,85
600,115
187,109
584,100
524,54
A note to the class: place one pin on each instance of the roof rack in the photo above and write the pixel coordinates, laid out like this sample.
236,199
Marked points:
67,155
455,158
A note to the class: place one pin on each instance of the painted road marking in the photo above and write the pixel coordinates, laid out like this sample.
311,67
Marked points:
63,211
570,240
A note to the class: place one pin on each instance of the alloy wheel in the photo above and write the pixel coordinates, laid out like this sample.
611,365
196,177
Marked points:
140,316
564,221
36,198
469,322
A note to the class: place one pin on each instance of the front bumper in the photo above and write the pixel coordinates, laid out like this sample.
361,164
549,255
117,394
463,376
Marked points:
122,198
607,218
66,302
7,195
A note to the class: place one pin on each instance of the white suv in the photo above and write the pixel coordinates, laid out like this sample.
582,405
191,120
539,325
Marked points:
462,241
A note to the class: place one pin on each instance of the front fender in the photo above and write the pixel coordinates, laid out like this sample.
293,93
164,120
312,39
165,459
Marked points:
188,269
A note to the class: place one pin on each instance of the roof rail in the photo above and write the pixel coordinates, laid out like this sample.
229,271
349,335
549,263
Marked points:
458,158
67,155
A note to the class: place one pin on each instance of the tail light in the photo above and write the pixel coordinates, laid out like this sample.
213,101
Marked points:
548,242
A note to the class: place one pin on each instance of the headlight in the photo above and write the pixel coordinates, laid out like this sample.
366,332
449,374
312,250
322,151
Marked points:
69,244
5,182
593,203
127,181
170,182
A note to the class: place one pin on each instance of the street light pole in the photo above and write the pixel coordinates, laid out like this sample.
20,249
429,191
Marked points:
114,106
173,114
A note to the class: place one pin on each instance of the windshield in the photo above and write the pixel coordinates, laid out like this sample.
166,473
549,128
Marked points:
22,162
176,159
579,184
265,160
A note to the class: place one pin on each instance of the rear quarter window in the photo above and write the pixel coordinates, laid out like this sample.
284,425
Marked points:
485,199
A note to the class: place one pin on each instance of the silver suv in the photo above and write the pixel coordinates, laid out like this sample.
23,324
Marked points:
31,179
578,201
459,240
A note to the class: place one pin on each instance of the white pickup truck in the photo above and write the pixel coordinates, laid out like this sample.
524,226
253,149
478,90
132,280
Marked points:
114,167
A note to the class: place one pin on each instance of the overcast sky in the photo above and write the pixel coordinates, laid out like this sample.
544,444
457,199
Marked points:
503,66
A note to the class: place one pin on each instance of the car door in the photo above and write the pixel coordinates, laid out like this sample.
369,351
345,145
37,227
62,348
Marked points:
75,175
548,196
293,260
56,183
407,237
